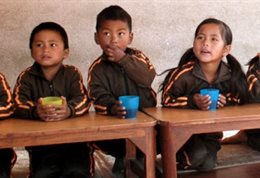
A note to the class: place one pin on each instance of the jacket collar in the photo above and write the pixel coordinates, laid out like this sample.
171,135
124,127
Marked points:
224,72
36,70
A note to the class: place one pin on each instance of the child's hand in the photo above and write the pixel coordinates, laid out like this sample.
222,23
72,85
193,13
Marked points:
53,113
114,53
221,101
42,110
118,110
62,111
201,101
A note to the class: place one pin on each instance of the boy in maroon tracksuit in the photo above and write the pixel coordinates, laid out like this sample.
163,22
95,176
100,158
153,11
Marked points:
48,76
120,70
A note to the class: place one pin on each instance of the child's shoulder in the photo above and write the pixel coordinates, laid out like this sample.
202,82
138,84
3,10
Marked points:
70,67
135,51
180,71
254,63
2,78
186,67
97,63
2,75
28,71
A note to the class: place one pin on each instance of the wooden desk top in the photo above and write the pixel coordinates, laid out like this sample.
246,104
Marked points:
177,126
91,126
249,112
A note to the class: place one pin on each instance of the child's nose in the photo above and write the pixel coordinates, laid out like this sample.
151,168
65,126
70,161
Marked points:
45,48
206,42
114,39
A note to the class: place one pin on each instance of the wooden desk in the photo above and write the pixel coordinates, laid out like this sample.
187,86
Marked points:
90,127
177,125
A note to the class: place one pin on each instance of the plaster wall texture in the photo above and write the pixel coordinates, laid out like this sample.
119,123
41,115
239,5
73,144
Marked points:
163,29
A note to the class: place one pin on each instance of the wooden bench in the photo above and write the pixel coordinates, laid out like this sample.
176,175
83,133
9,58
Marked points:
177,125
138,132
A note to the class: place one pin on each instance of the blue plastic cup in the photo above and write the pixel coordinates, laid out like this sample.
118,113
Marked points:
213,93
131,104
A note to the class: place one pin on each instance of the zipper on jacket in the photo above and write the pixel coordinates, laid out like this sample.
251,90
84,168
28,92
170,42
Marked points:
51,89
127,87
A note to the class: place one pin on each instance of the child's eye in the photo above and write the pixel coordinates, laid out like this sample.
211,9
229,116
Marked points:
199,37
214,39
53,44
121,33
39,45
106,33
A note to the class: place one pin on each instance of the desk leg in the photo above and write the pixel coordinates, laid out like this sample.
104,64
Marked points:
172,139
147,145
130,154
168,152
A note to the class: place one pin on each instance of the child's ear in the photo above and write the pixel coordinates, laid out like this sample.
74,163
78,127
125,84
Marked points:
66,53
227,50
131,37
96,38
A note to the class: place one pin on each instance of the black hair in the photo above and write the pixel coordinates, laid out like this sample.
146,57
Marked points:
114,12
238,79
225,32
255,60
53,27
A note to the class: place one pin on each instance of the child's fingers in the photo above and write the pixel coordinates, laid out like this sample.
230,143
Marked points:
204,105
202,102
221,101
64,100
220,105
121,111
39,101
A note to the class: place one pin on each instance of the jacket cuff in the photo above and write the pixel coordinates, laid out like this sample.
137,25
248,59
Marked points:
109,109
34,113
191,103
72,111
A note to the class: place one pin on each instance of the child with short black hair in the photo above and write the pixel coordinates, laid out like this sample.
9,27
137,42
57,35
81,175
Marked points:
7,155
48,76
202,67
120,70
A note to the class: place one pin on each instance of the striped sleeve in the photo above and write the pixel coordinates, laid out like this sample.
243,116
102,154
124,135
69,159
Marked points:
253,80
6,104
99,95
174,90
136,64
24,106
79,102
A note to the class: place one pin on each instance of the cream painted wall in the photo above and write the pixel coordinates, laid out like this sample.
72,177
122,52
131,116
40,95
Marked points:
163,29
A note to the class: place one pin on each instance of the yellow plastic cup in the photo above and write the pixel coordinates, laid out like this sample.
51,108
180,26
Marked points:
52,100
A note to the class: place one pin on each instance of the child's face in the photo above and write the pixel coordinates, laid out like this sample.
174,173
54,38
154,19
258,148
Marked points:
113,33
208,45
48,48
